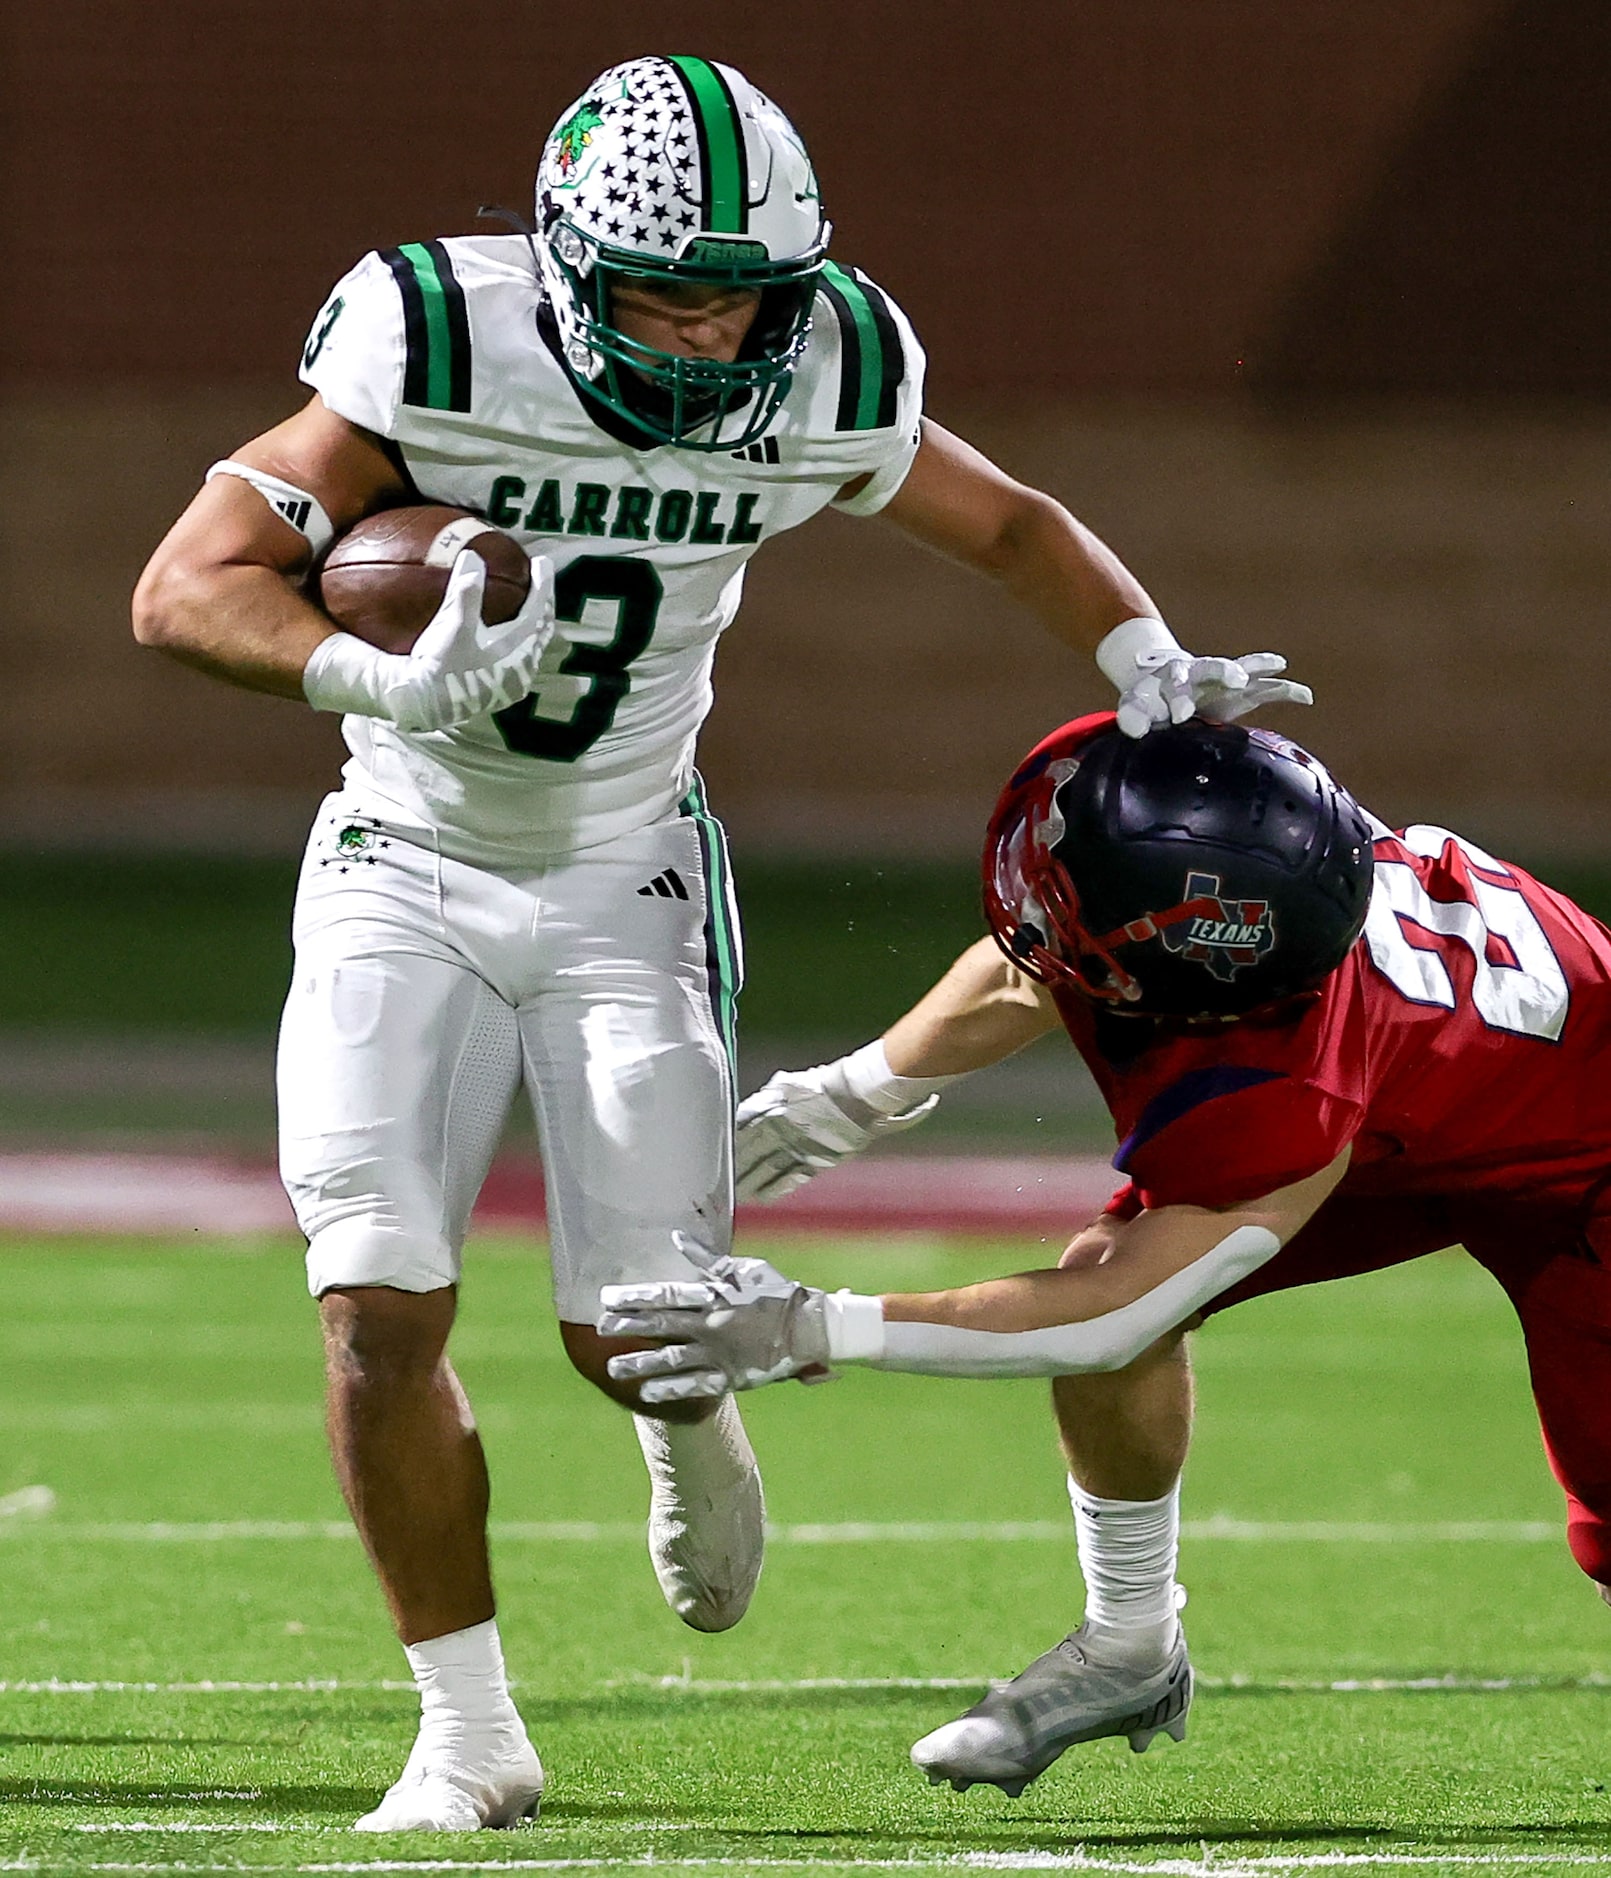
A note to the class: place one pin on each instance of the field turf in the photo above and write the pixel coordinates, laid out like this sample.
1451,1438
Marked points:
1403,1673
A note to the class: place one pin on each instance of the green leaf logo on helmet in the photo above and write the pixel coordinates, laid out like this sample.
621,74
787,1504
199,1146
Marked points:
677,170
573,137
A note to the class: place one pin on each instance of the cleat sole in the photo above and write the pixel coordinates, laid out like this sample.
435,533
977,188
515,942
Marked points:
1143,1738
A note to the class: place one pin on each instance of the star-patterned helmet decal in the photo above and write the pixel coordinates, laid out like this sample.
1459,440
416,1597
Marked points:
623,163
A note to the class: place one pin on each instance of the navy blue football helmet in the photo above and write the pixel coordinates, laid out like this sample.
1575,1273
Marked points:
1202,871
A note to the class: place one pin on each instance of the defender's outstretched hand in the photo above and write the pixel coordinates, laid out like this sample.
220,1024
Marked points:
1159,682
459,666
801,1122
743,1326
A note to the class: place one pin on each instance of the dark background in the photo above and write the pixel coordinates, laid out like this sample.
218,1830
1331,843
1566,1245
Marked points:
1305,305
1181,196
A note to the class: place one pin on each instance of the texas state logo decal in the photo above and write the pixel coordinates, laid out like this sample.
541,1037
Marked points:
1226,936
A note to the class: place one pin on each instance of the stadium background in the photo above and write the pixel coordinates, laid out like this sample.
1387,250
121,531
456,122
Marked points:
1307,306
1304,307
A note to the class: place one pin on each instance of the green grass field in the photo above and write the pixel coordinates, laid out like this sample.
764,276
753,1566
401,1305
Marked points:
167,1394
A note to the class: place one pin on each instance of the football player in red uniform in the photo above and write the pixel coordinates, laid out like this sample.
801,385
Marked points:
1327,1047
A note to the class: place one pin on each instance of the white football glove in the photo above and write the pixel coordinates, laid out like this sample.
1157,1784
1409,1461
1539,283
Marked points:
459,666
794,1128
1159,682
741,1327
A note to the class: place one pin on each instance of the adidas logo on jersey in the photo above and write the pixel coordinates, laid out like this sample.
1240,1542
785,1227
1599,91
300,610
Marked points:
668,886
765,451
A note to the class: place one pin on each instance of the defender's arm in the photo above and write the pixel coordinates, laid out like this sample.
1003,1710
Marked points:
982,1010
222,592
1156,1271
803,1121
747,1325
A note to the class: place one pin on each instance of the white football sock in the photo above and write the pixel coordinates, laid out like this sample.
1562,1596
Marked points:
465,1704
1128,1551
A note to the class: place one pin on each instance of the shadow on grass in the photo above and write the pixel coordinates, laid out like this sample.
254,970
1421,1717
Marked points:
348,1802
122,1741
654,1701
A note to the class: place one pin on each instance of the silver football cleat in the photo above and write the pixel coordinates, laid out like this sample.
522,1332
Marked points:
1062,1698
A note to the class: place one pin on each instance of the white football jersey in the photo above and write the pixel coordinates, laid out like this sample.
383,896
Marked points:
437,346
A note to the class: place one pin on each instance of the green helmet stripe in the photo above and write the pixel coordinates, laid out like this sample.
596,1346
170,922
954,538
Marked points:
436,327
722,162
873,364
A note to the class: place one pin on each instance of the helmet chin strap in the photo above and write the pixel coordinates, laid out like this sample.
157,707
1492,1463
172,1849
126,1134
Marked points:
1151,924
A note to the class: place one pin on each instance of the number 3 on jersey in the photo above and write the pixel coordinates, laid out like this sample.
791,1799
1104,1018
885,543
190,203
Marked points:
1525,993
635,588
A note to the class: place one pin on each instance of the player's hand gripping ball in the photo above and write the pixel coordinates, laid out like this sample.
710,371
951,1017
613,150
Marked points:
384,579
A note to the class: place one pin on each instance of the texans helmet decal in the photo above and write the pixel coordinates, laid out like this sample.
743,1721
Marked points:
1229,937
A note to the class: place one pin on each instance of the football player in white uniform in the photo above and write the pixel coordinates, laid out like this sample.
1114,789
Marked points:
518,881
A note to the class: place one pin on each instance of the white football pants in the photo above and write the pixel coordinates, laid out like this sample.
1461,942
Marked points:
427,991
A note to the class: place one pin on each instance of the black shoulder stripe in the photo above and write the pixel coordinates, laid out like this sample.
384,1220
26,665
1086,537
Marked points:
874,361
436,326
458,323
894,354
416,341
850,345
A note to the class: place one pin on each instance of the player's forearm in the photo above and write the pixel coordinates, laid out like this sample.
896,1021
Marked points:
981,1011
1145,1252
244,624
1165,1265
1042,1323
1069,578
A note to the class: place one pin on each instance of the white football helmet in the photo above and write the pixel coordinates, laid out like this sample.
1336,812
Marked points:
678,169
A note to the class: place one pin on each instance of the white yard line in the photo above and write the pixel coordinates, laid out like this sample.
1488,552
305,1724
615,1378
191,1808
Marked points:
1210,1863
1220,1526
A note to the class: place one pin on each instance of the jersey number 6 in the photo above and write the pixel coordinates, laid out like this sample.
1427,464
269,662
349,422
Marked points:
635,588
1528,997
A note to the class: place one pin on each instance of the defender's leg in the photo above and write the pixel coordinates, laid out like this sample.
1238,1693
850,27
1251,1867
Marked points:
1565,1311
1125,1670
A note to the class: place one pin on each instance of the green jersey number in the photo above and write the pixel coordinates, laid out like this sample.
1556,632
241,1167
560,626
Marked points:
635,588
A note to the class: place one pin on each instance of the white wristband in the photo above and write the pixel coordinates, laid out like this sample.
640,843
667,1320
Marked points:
855,1327
1119,656
866,1075
343,674
304,512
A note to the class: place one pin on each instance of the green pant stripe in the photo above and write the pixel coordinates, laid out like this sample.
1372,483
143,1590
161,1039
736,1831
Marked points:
721,147
723,941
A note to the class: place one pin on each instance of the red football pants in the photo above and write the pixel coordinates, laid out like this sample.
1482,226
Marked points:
1555,1267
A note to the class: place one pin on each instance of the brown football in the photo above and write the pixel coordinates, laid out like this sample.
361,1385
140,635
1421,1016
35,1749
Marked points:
384,578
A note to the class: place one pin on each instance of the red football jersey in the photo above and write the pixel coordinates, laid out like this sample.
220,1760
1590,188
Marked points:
1463,1047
